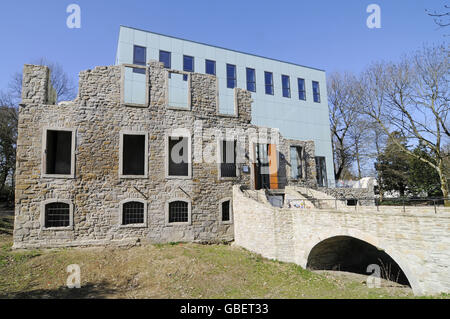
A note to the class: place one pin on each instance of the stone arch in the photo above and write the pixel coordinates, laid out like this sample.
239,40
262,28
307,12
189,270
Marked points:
369,239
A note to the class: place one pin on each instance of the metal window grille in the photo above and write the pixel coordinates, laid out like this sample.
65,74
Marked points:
228,169
133,213
178,212
57,215
178,166
228,165
226,211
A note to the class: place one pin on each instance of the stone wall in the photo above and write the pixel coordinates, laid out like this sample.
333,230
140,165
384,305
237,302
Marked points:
364,196
36,85
97,117
309,178
417,240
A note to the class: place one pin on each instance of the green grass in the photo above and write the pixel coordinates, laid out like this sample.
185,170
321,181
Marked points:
174,270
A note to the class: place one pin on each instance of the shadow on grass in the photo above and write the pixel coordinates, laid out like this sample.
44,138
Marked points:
95,291
6,225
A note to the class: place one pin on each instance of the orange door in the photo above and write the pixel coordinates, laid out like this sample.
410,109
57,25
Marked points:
273,166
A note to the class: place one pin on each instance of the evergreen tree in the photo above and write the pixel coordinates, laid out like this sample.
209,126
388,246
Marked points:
393,166
422,177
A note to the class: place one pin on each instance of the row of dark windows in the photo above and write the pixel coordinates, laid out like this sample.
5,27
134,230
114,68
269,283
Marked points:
59,159
58,153
139,58
58,214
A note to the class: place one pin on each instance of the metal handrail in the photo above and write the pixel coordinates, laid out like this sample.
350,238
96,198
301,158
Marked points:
405,201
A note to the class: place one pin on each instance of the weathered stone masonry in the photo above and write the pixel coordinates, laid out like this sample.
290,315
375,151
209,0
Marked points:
95,191
417,239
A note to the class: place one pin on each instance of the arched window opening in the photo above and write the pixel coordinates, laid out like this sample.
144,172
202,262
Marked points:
133,213
57,215
178,212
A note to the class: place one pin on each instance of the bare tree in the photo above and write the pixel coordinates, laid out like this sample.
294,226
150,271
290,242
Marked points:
412,97
361,141
8,136
441,18
343,104
379,140
65,89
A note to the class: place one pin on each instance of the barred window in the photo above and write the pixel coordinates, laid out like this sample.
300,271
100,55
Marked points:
178,156
133,213
228,158
178,212
57,215
226,211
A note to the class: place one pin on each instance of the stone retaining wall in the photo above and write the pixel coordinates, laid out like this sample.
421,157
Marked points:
418,240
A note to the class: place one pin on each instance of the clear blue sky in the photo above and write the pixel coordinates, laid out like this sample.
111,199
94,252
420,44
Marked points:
326,34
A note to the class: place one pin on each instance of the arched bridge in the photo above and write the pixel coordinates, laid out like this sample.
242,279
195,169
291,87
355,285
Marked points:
411,247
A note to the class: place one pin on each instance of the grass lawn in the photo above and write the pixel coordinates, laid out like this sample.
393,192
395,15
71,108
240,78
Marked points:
169,271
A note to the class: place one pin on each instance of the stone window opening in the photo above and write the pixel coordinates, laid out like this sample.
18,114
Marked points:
56,214
225,210
178,157
178,90
133,213
134,88
133,162
58,153
321,171
178,212
296,159
227,159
